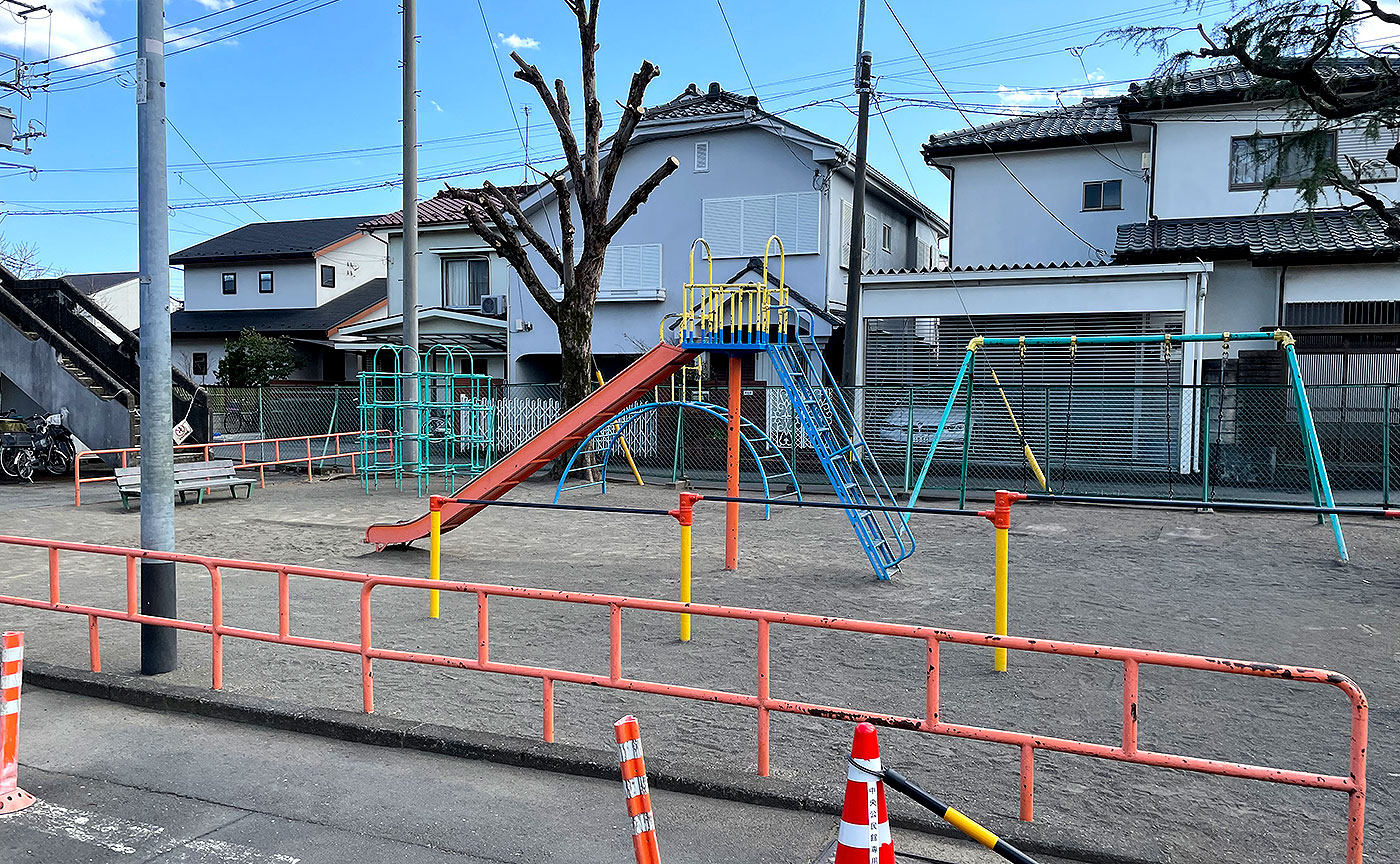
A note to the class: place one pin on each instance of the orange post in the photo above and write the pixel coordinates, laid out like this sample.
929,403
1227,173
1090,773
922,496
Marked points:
12,798
634,782
731,510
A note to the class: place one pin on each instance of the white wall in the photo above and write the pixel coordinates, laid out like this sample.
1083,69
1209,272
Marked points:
122,302
1193,165
355,263
996,222
294,286
182,351
436,244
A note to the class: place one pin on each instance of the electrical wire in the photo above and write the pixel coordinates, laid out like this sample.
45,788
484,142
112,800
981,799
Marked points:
217,175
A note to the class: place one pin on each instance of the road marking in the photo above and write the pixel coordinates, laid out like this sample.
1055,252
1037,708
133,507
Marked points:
114,835
205,851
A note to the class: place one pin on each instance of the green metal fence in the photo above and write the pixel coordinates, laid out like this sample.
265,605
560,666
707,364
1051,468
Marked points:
1205,442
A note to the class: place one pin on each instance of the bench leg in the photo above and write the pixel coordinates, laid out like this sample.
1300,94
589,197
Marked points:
126,504
200,499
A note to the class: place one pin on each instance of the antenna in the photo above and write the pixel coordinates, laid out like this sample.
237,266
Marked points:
525,106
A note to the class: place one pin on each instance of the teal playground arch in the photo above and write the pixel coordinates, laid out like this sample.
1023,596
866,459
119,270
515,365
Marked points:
613,431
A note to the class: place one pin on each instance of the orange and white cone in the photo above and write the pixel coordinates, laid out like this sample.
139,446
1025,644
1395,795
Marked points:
634,782
12,798
864,837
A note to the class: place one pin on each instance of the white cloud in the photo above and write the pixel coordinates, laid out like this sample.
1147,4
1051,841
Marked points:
216,5
515,43
77,27
439,108
1020,100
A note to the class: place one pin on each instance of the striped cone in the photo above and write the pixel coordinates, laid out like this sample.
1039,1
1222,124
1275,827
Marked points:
12,798
634,781
864,837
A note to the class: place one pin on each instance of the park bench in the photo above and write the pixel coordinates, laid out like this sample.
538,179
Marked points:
189,477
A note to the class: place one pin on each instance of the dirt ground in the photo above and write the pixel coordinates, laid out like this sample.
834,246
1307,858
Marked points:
1253,587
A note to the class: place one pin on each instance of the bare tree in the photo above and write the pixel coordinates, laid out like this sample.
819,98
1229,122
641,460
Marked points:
1331,65
22,259
587,181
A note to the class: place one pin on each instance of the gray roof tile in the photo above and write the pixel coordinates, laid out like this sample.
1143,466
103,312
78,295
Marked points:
92,283
694,103
441,209
1322,233
1084,123
297,238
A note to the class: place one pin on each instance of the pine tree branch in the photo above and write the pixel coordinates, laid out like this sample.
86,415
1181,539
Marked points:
638,198
1382,14
1388,214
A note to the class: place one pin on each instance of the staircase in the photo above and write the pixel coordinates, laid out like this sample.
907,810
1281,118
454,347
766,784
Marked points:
66,353
849,465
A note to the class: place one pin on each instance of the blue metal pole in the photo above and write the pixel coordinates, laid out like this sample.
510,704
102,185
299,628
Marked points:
1310,438
938,434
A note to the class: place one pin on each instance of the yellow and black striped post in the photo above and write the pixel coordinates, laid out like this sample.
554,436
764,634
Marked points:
956,818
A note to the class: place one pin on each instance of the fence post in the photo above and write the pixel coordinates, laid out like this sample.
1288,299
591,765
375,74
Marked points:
909,441
261,427
1385,447
1205,444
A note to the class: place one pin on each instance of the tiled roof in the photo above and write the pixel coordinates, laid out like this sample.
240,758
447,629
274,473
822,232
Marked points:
298,238
1323,233
1089,122
694,103
92,283
1230,83
990,268
444,208
315,321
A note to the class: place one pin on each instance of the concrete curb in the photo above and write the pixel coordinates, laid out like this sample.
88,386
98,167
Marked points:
381,731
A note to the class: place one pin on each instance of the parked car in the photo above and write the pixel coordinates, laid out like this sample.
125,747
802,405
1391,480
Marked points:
899,426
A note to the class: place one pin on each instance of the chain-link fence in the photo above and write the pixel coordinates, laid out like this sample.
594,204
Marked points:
1236,442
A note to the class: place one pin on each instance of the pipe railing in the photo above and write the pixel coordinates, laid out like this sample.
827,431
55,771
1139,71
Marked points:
760,698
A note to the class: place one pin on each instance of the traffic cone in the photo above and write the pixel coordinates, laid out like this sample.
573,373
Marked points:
864,837
12,798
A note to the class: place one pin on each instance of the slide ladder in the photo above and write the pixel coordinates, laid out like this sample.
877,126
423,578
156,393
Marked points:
846,458
553,441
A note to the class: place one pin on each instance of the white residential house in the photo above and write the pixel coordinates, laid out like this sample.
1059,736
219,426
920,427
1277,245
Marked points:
1144,213
305,279
745,175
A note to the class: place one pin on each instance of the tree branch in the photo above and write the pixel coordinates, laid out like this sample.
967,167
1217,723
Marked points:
502,240
524,226
592,115
632,114
639,197
1381,14
558,111
1388,215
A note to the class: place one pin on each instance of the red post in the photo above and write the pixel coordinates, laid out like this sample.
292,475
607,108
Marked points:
731,510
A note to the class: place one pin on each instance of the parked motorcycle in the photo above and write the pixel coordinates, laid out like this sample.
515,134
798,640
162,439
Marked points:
40,441
17,457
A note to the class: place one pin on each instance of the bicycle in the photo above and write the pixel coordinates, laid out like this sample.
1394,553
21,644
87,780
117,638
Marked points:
234,420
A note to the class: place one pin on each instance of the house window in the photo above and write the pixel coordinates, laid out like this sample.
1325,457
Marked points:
327,276
1103,195
886,238
702,157
1255,160
230,283
265,282
740,227
632,272
199,363
464,282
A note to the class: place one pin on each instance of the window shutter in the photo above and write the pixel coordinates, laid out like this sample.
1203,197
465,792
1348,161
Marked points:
702,156
760,217
632,272
723,226
846,233
925,258
872,228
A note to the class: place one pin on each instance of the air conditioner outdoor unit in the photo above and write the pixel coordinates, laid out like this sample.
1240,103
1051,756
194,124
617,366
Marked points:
493,305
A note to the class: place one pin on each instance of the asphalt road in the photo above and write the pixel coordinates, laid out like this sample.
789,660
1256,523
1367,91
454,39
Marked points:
123,784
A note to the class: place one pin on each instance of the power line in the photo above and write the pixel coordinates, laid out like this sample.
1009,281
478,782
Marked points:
217,175
169,28
1100,252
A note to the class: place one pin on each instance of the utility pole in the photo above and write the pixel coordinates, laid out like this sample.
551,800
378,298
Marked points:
410,228
156,417
855,264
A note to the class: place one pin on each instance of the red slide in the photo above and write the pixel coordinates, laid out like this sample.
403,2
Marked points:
556,439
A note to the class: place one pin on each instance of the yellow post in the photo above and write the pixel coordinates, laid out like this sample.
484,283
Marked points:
1003,556
623,441
1000,517
685,516
434,550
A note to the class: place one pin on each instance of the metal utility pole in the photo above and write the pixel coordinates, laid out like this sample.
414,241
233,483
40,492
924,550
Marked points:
156,417
410,227
855,263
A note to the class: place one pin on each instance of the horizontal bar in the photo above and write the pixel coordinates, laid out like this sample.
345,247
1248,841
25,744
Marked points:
1179,504
534,505
836,505
1154,339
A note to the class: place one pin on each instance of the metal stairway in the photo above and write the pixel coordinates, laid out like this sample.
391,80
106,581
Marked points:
846,458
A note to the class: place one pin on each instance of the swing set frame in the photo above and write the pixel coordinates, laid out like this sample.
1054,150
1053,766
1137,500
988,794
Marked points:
1317,469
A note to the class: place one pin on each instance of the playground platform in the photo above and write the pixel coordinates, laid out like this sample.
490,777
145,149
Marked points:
1261,587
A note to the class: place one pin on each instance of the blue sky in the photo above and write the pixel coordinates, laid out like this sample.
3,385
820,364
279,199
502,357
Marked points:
311,103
